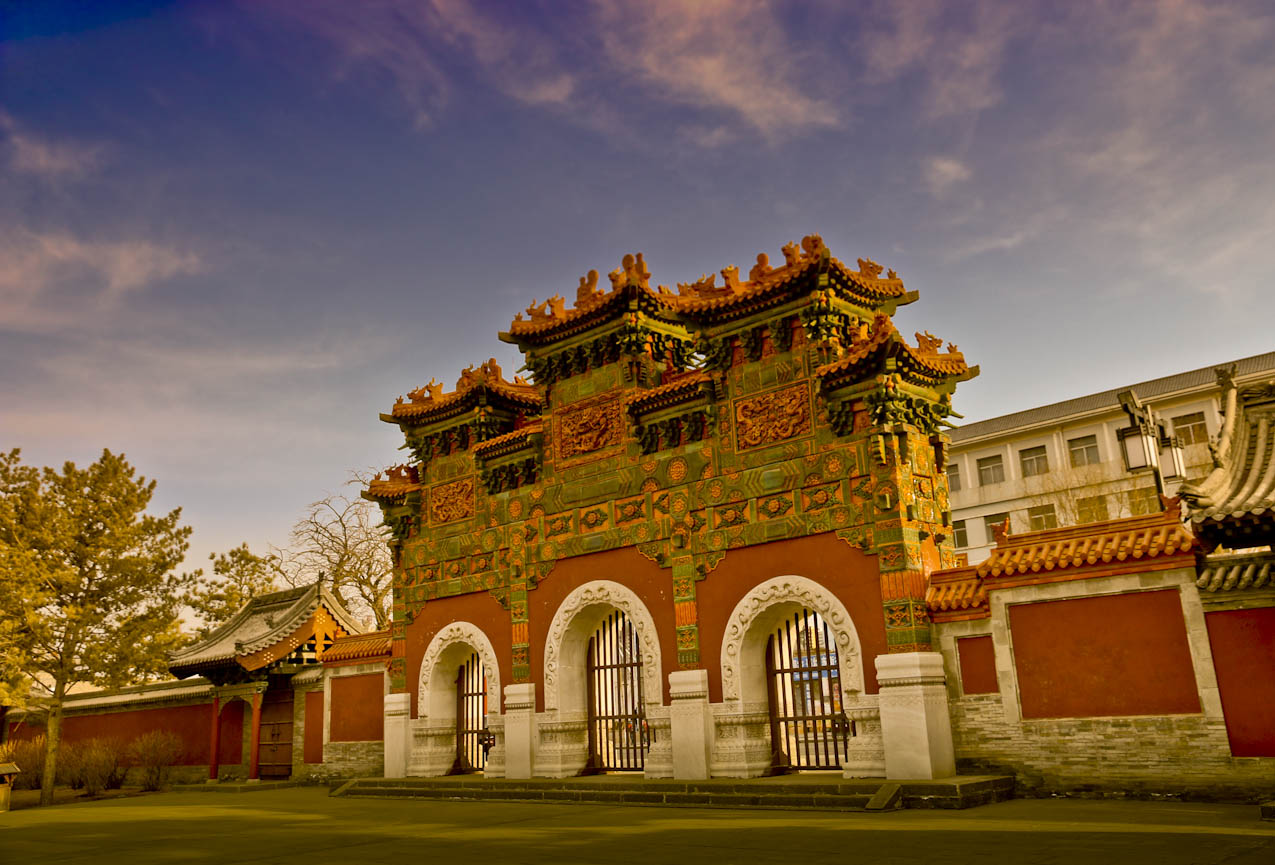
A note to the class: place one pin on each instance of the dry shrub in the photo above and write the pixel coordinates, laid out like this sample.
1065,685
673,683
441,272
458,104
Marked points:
29,755
71,765
155,753
101,765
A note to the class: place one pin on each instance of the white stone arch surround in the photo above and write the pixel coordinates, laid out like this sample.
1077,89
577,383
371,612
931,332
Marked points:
451,647
566,647
759,613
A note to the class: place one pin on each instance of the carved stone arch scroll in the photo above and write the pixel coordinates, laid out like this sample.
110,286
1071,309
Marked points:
453,635
567,643
759,613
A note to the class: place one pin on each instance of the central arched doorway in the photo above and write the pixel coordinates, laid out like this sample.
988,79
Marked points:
808,724
473,740
619,735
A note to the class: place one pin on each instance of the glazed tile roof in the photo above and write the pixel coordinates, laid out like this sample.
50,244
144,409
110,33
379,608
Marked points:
686,383
508,440
429,399
370,646
1059,554
262,623
1246,368
1236,572
964,594
400,481
886,337
705,297
1242,483
1145,537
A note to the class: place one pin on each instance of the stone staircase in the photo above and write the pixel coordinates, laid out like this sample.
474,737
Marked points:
805,792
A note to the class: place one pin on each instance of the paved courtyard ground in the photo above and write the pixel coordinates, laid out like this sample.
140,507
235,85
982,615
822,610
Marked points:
304,825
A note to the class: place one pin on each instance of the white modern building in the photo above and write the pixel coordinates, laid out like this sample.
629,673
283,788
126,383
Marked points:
1062,464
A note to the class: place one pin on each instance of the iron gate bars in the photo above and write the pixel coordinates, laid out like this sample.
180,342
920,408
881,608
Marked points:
808,724
618,732
472,739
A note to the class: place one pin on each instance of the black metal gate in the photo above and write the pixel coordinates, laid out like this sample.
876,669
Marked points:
472,738
808,724
618,732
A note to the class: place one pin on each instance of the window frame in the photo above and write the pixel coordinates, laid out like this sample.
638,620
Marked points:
1199,428
987,463
1090,444
953,472
960,534
1037,458
1048,509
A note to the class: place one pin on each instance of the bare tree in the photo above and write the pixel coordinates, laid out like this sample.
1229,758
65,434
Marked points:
341,541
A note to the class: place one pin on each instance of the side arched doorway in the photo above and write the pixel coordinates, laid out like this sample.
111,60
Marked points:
459,686
792,677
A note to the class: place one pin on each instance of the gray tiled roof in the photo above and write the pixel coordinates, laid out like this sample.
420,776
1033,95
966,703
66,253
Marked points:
1146,390
262,622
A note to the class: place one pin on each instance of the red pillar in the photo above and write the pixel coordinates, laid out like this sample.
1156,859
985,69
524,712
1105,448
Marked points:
253,757
214,755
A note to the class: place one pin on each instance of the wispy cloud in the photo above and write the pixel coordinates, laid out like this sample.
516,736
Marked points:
719,55
52,279
943,172
957,51
32,154
732,58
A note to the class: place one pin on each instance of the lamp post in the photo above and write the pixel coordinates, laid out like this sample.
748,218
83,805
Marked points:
1146,444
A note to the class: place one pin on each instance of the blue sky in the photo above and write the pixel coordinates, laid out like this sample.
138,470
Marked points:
232,233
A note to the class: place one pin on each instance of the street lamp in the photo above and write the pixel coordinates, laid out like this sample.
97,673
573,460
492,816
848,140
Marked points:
1146,444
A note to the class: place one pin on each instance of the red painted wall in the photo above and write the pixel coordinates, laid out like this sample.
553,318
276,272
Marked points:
845,571
312,751
1097,657
978,665
191,724
1243,644
358,708
480,609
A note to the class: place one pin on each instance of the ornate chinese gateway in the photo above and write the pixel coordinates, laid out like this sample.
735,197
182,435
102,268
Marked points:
672,455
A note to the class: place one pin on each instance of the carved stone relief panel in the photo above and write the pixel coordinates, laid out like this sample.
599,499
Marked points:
451,502
772,417
588,428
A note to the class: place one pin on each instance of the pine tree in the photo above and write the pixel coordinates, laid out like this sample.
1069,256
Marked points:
238,576
90,581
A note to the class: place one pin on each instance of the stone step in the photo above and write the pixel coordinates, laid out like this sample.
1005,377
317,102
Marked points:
807,792
628,796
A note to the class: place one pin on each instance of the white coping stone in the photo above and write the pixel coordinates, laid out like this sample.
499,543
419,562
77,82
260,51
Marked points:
691,724
915,724
398,709
521,734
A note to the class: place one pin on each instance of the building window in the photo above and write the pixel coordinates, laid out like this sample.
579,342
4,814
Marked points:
1042,517
953,477
1034,461
993,520
991,470
1191,428
1143,500
1084,451
959,537
1092,509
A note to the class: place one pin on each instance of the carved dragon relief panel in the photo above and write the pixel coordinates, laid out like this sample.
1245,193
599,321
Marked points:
452,501
772,417
590,428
